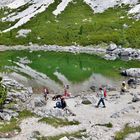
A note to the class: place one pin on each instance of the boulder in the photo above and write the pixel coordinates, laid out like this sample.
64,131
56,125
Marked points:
112,47
133,72
110,57
39,102
124,53
86,101
136,98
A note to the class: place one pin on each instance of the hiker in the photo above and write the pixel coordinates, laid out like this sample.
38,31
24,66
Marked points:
46,92
123,87
66,91
101,95
61,103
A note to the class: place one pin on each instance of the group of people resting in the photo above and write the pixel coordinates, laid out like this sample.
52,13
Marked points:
102,94
60,99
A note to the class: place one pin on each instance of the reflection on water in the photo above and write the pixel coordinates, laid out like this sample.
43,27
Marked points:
95,80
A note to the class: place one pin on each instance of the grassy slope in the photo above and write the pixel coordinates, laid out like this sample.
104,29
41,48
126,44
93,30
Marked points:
70,27
75,67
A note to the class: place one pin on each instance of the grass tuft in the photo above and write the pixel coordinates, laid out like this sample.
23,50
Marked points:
126,131
57,122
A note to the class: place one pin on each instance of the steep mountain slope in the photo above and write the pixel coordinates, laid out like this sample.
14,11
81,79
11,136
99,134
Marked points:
72,22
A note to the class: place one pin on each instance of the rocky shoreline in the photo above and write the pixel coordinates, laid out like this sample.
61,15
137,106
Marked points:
109,52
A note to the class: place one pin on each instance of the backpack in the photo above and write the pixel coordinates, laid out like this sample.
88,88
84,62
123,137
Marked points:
105,93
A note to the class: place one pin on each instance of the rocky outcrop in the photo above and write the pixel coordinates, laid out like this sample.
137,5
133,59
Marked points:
8,114
16,91
133,72
113,52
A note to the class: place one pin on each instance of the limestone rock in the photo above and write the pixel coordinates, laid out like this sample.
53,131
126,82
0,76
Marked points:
134,72
136,98
64,138
39,102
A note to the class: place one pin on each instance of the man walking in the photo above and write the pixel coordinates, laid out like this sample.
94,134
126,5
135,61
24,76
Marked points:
101,95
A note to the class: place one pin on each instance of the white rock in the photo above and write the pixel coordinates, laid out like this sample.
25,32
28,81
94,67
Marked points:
64,138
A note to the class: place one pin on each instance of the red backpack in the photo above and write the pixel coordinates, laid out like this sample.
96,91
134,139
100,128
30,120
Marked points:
105,93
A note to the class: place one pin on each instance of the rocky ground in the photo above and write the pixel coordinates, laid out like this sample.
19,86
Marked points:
120,110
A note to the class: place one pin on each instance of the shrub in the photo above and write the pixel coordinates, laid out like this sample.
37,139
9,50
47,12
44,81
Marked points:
3,93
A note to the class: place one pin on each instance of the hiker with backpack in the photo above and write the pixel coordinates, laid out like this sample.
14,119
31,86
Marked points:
102,95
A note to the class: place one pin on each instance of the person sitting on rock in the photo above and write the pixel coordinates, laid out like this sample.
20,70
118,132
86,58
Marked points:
63,105
101,95
123,87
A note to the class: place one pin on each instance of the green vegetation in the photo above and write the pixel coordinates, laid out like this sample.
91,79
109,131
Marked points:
78,134
109,125
13,125
10,126
76,68
126,131
3,93
77,25
10,105
57,122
